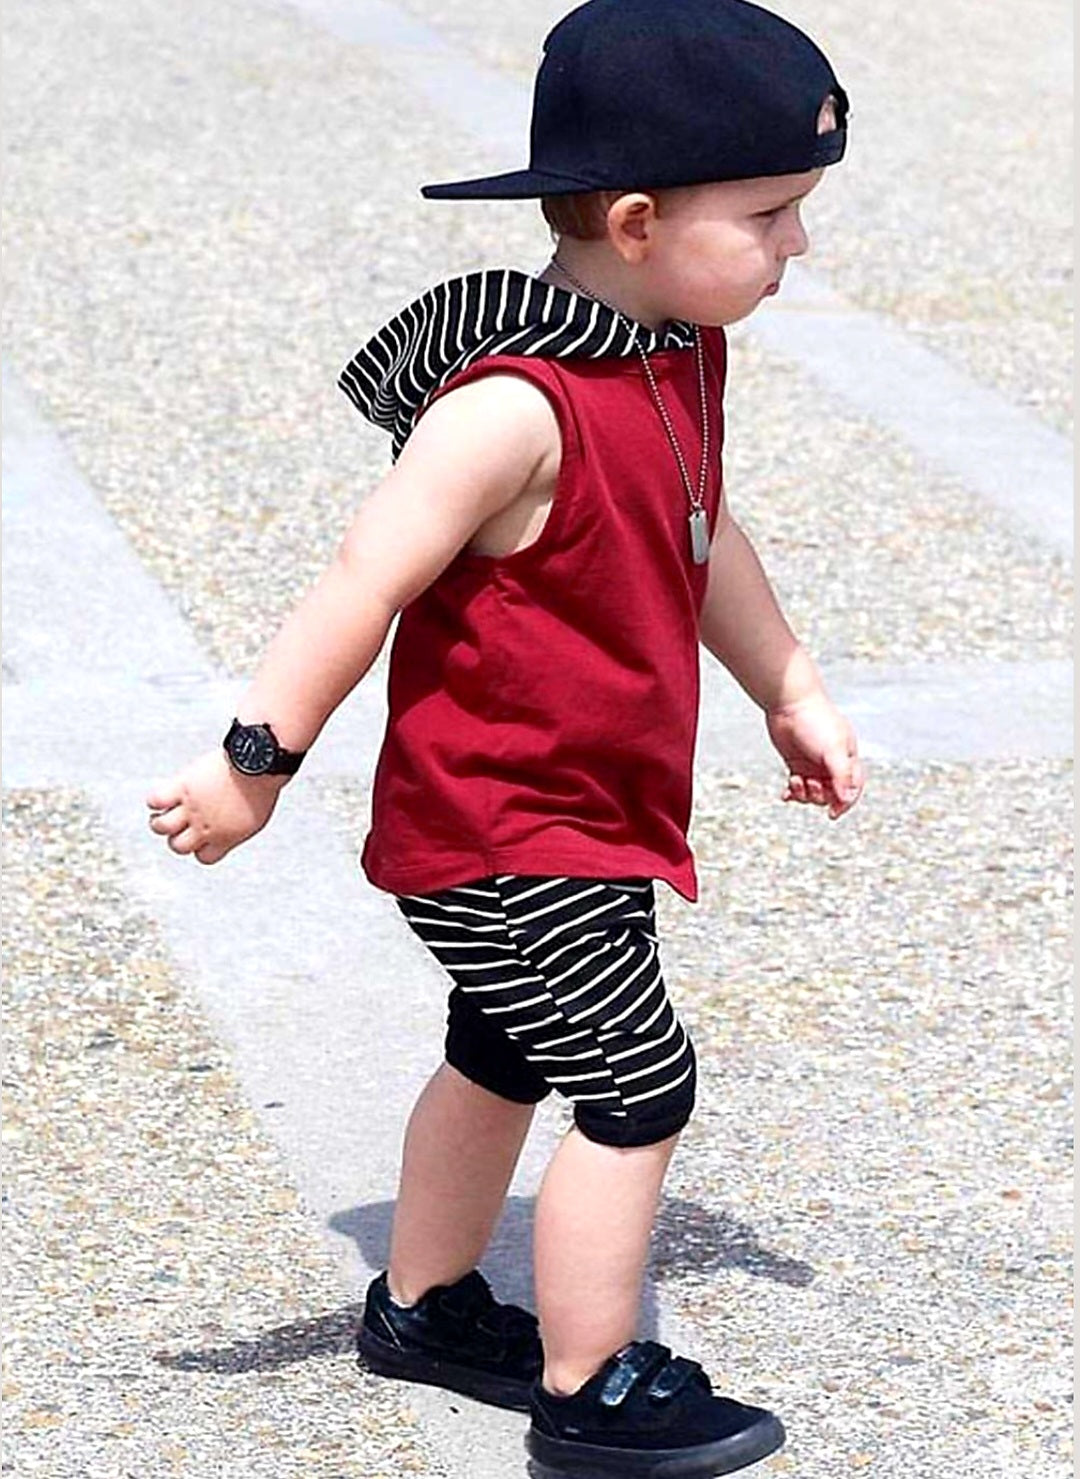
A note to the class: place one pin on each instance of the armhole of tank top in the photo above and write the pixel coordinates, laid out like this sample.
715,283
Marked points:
546,378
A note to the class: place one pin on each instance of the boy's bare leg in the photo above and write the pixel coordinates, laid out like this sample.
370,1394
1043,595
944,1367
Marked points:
461,1146
594,1216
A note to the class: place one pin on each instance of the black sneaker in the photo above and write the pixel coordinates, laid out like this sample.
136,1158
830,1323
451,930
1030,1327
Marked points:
646,1415
456,1336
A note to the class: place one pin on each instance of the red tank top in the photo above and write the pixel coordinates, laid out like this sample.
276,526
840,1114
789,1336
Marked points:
543,705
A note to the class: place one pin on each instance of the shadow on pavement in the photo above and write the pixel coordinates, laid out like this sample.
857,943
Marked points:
688,1237
695,1239
284,1345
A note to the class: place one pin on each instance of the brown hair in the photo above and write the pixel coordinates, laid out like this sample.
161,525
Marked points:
583,216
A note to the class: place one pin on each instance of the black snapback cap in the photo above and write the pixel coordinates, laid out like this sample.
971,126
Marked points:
647,94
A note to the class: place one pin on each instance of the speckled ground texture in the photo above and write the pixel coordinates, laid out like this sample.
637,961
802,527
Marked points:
170,1309
205,209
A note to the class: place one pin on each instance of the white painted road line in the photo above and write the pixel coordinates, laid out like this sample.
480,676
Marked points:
493,108
996,449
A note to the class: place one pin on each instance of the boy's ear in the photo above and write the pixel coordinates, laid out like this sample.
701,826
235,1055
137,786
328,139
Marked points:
629,221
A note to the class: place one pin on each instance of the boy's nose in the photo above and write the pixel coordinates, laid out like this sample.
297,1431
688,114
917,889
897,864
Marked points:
798,241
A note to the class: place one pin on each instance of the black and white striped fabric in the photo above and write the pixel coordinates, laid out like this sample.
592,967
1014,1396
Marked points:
569,970
494,312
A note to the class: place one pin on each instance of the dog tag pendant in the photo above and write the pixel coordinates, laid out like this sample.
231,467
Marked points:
699,536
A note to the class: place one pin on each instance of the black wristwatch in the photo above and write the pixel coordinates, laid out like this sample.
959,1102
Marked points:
253,749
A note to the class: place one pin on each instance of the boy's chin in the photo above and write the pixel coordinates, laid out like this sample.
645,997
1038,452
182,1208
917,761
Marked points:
723,315
733,316
736,315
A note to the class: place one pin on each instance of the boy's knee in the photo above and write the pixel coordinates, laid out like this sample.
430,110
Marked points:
648,1121
486,1056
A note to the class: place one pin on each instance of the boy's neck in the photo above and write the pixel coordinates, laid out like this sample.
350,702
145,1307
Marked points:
593,267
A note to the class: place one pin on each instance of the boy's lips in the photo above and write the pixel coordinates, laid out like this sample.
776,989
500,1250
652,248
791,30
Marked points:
774,287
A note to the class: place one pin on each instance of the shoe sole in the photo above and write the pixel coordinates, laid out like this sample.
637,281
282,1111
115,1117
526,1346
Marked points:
556,1457
484,1386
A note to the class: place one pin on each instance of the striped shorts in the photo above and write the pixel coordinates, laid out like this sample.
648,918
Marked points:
557,985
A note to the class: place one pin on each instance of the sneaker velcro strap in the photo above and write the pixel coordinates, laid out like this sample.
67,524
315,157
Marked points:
468,1297
641,1361
674,1376
509,1321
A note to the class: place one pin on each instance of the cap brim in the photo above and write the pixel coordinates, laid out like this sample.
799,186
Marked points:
519,184
530,184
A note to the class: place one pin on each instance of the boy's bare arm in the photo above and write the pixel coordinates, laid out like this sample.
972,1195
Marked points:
470,456
742,625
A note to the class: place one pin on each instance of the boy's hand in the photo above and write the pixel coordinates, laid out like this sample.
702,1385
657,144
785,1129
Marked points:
818,746
209,808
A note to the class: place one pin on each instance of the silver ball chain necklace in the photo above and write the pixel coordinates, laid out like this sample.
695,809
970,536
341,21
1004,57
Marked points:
699,522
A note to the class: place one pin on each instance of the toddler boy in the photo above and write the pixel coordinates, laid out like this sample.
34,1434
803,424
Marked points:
555,537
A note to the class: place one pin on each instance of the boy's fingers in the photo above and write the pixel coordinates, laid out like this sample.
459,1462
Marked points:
848,780
796,789
838,806
185,842
844,771
167,823
849,790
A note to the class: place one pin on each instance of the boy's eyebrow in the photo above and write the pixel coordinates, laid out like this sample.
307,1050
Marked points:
789,199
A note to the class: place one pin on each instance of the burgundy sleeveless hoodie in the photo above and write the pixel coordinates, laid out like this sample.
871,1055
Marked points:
543,705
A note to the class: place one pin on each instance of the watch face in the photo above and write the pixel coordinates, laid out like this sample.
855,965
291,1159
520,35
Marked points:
252,749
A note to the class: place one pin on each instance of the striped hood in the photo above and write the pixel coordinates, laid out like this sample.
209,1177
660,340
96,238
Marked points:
390,379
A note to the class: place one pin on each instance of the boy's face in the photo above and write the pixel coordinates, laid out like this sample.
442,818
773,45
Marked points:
717,250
